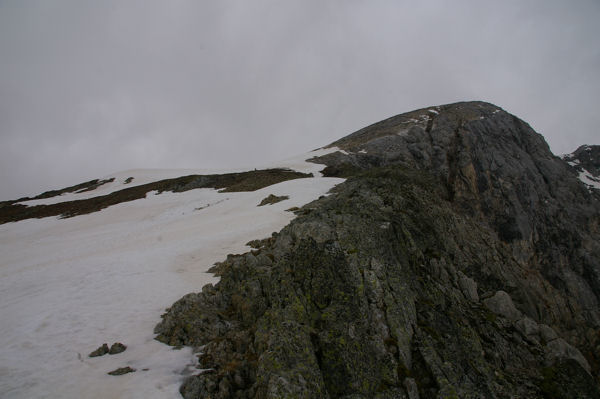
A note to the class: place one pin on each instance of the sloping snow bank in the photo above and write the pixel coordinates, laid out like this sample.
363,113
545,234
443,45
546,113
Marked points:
67,286
144,176
589,180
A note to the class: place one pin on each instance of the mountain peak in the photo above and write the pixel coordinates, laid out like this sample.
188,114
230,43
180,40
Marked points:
441,268
424,118
443,252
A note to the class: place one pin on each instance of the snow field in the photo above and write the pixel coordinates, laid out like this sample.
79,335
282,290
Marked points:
69,285
144,176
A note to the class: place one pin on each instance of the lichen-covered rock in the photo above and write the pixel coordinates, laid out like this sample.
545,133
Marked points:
411,388
117,347
560,349
468,287
121,371
528,328
502,305
101,351
450,264
547,334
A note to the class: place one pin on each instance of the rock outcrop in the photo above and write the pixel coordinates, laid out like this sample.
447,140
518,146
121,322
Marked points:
121,371
100,351
585,160
459,259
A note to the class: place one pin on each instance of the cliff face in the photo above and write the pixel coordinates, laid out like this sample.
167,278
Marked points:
460,259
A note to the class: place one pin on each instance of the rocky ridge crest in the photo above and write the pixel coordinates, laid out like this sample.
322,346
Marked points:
461,258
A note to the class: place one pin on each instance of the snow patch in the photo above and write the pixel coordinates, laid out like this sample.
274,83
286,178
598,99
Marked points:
566,156
145,176
140,177
69,285
589,180
300,164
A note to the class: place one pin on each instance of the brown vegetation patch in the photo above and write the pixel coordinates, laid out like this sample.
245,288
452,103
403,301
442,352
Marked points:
11,211
79,188
273,199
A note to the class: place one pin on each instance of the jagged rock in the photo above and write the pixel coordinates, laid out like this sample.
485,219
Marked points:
117,347
101,351
528,328
468,287
559,349
567,380
121,371
547,334
502,305
378,283
411,388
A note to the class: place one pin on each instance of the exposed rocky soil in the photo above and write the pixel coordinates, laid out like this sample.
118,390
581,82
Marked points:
102,350
273,199
460,259
12,211
122,370
79,188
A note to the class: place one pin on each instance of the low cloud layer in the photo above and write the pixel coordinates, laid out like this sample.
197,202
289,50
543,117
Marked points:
88,88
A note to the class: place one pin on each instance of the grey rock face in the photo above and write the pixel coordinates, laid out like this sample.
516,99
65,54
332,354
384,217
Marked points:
502,305
460,259
468,287
411,388
560,349
497,169
529,328
547,334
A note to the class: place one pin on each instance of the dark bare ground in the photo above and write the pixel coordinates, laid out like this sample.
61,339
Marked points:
12,211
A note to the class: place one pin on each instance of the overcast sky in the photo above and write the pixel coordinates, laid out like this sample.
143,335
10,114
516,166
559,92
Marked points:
88,88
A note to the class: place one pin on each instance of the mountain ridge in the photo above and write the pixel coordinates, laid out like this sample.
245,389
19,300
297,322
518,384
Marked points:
459,259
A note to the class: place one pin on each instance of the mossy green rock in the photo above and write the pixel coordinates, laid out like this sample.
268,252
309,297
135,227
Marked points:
379,291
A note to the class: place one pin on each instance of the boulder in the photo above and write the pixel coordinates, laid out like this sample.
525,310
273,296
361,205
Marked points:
101,351
502,304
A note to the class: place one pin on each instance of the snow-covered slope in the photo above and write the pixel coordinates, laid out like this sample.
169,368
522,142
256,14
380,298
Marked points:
585,160
136,177
69,285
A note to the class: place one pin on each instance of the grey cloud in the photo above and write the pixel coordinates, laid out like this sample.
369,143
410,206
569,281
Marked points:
88,88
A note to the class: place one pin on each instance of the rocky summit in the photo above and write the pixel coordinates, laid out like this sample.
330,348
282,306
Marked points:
460,259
